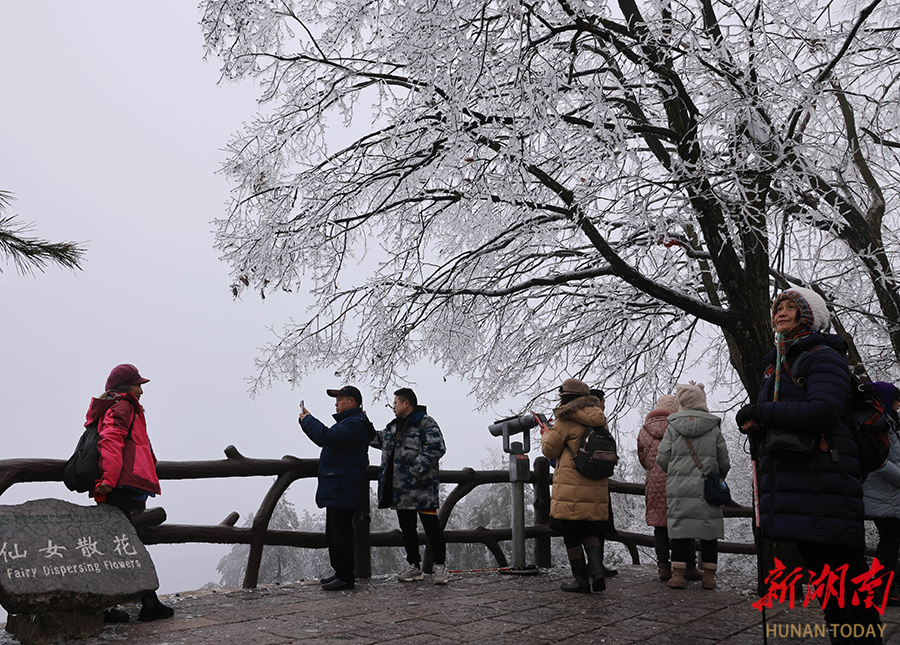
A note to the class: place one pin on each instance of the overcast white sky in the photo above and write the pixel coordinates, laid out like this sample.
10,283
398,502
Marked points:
111,129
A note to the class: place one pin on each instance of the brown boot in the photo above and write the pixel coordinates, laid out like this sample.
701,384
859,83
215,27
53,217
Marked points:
709,576
692,572
677,579
665,570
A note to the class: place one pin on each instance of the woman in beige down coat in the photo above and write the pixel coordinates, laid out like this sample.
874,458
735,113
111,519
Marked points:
581,504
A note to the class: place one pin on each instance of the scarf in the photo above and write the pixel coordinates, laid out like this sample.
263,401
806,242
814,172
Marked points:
782,346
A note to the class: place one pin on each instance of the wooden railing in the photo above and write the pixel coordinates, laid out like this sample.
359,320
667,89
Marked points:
289,469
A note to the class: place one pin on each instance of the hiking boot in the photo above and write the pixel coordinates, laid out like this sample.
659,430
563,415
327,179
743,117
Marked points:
441,574
153,609
677,579
709,576
413,573
115,615
338,585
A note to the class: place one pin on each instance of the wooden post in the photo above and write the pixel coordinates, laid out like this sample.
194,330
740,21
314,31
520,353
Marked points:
362,521
541,482
260,527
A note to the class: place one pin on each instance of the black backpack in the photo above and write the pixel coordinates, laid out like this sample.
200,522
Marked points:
867,419
870,427
596,457
82,470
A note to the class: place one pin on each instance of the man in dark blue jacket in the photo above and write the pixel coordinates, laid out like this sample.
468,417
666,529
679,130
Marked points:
343,486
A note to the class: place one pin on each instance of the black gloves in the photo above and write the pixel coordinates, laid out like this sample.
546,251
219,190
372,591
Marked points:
749,413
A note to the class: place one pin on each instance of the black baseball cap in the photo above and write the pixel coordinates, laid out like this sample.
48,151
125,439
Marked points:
347,390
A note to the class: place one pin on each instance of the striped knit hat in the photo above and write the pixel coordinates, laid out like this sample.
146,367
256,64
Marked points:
813,312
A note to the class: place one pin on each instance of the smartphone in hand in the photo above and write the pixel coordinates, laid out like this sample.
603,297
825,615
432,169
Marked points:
541,422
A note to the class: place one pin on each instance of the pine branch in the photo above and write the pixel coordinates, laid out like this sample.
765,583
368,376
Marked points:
28,254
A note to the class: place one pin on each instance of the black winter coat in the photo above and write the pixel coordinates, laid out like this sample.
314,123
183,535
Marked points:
820,500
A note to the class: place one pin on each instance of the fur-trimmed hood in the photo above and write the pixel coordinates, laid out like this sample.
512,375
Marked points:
578,408
574,496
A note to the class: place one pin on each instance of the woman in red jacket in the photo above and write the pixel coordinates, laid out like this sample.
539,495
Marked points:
127,463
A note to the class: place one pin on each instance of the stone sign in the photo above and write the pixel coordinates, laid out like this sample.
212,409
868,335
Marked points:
57,557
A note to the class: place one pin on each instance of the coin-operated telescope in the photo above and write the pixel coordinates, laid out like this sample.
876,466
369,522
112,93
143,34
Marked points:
519,473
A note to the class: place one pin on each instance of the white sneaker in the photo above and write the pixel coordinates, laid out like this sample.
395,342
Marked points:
413,573
441,574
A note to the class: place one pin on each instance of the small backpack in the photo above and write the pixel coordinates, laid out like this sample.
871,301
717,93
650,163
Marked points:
870,426
867,419
82,470
596,457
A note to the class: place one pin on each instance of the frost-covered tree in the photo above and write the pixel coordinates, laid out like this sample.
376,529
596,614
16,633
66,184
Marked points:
289,564
279,563
27,253
562,187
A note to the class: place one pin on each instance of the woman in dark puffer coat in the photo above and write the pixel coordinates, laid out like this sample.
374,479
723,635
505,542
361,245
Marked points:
816,502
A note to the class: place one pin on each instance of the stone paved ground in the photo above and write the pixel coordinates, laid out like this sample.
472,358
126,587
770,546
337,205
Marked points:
474,608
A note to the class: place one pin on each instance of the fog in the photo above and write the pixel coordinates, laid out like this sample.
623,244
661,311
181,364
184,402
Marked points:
112,128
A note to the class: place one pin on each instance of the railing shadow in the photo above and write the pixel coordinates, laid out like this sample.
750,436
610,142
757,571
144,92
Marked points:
289,469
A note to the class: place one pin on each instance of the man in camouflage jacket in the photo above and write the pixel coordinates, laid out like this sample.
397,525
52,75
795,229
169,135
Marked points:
411,448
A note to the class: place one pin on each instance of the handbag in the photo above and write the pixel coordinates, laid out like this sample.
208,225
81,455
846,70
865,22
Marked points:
790,446
784,444
715,490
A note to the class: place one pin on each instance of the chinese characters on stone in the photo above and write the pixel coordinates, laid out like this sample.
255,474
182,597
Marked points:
86,544
11,555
